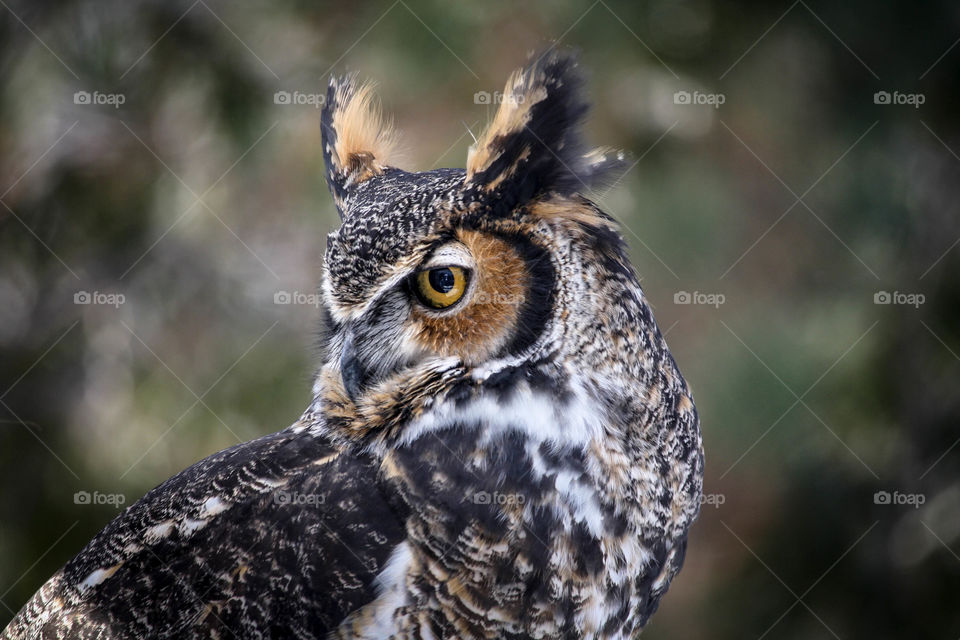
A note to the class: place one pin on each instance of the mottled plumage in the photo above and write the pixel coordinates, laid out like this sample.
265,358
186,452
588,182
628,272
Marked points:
523,462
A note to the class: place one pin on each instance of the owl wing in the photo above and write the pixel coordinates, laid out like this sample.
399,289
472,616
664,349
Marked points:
279,537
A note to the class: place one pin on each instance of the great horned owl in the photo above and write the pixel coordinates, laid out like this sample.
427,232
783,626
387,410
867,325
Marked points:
500,444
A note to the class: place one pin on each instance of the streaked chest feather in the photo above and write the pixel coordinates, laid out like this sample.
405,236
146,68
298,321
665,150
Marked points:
511,528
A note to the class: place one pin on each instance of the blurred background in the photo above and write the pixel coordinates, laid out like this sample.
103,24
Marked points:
793,211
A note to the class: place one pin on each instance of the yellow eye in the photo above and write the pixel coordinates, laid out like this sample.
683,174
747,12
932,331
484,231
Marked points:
441,287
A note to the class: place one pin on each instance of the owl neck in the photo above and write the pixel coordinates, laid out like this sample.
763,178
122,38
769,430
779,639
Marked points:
540,398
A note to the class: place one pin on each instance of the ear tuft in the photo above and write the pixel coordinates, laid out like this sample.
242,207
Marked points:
357,142
533,144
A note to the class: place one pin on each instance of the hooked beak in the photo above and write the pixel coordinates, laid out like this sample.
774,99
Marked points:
352,371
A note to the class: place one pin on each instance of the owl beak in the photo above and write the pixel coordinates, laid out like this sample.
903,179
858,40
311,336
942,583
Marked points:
352,371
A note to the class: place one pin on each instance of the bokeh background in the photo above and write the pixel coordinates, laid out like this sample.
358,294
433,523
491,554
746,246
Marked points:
158,193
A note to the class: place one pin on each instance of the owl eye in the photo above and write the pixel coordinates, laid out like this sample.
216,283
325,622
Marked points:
440,287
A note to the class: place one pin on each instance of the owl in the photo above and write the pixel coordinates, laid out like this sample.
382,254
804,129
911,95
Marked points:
499,442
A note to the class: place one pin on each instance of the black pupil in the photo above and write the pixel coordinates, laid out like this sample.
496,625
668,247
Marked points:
442,280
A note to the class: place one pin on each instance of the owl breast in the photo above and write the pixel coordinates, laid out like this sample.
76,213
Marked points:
514,523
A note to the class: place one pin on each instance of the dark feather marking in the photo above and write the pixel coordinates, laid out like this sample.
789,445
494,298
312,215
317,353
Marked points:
308,566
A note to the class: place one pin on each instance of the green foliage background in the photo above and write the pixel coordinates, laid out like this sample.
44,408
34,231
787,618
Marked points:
798,200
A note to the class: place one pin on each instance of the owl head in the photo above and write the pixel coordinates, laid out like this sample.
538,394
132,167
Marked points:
474,269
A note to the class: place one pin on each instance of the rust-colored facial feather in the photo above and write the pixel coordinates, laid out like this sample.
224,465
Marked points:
482,323
573,209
